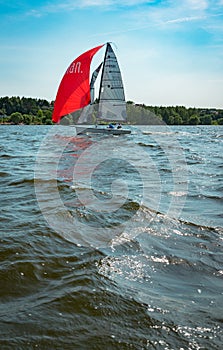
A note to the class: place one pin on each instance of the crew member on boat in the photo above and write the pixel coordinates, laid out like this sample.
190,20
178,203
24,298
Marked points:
111,126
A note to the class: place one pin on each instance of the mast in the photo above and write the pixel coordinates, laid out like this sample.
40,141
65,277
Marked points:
102,73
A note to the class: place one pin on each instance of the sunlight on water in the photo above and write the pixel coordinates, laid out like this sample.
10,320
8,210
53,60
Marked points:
129,267
111,243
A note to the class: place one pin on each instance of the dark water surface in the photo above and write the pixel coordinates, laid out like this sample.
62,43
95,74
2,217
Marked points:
111,242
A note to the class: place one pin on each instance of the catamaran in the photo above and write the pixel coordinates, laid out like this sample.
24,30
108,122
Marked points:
77,92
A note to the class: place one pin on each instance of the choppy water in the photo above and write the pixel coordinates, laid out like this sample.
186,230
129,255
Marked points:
111,242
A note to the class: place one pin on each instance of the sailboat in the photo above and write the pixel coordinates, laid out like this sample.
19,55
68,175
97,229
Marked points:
76,92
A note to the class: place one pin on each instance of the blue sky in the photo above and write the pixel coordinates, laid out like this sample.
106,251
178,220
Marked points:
170,51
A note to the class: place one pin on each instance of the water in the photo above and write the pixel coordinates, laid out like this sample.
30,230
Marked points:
111,242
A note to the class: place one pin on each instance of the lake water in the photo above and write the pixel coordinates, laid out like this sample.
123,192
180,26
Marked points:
111,242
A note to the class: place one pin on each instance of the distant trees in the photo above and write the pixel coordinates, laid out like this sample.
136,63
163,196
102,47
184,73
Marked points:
25,110
29,110
175,115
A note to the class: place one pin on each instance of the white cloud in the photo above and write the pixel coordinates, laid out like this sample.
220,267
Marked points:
90,3
86,3
173,12
185,19
197,4
33,8
69,5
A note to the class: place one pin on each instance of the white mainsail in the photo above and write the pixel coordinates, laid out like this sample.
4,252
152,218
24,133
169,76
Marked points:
112,105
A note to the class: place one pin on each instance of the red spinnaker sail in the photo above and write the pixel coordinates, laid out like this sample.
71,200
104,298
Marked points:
74,89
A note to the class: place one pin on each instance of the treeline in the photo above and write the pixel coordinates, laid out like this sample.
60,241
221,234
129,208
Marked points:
23,110
175,115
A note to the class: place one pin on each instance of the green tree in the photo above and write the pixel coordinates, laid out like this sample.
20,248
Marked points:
206,119
27,119
178,120
47,120
47,117
16,118
220,121
40,114
194,120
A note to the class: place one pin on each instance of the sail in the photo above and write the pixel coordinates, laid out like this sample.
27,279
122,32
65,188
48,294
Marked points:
112,105
93,79
87,113
74,89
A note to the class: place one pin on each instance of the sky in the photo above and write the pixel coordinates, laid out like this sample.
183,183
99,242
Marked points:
170,51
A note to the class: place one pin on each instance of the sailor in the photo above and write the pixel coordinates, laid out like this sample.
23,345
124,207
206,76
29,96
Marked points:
111,126
119,126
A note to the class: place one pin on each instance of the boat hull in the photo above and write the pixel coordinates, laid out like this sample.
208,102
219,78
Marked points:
98,130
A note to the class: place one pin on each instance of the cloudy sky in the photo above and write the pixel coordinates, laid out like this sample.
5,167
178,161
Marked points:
170,51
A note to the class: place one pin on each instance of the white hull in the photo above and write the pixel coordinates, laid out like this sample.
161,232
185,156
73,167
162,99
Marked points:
101,130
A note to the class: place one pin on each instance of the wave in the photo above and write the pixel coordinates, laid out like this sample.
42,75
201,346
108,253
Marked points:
142,144
6,155
61,185
159,132
162,218
178,194
21,182
3,174
201,196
